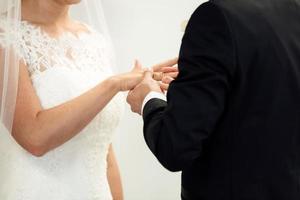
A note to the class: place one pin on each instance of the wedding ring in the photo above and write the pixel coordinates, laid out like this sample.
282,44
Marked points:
158,75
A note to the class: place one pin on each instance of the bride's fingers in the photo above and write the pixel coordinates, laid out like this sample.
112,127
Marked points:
137,65
171,74
167,80
159,76
164,86
168,63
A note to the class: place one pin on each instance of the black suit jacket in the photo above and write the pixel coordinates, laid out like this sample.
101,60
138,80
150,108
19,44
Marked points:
232,120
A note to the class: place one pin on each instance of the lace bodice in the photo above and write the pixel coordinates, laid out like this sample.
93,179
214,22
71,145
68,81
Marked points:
81,51
62,69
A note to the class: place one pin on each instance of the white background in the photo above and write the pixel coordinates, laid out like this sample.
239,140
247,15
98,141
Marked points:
150,31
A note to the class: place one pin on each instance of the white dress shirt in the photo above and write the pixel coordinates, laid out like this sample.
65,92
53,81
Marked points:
153,95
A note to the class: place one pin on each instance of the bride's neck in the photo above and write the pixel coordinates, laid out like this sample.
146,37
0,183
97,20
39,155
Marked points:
45,12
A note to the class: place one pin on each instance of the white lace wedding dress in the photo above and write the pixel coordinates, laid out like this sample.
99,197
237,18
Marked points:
62,69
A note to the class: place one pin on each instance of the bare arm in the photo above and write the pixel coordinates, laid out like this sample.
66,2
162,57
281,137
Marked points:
39,131
113,176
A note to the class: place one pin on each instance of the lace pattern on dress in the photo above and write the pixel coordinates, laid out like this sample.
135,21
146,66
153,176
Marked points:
83,158
42,52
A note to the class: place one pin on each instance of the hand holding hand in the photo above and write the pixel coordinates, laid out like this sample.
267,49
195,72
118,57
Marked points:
128,81
165,72
136,97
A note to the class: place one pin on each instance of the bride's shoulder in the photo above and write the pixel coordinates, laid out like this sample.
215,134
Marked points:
86,28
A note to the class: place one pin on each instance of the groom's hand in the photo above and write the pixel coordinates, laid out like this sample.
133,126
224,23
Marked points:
136,97
166,72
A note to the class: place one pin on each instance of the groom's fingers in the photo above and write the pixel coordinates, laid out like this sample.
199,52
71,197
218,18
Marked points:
169,69
168,63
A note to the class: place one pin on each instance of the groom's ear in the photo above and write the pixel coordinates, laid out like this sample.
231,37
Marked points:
184,25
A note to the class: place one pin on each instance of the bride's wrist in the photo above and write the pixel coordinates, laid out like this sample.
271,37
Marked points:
115,83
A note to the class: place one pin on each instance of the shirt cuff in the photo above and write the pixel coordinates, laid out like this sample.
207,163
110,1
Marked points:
153,95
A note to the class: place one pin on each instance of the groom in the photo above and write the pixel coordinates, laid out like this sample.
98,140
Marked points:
231,123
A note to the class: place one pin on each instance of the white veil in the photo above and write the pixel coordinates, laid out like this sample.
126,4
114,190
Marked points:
88,11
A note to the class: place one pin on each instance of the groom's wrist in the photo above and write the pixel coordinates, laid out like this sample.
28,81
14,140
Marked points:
153,95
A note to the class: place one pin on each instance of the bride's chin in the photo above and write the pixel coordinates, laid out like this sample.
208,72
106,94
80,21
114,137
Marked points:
71,2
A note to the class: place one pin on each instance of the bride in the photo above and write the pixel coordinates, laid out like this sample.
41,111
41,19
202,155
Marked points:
66,109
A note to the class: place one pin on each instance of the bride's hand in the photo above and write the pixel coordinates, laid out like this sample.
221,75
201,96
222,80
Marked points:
128,81
166,70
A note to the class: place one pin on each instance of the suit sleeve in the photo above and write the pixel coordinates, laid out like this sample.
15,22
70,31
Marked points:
176,131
